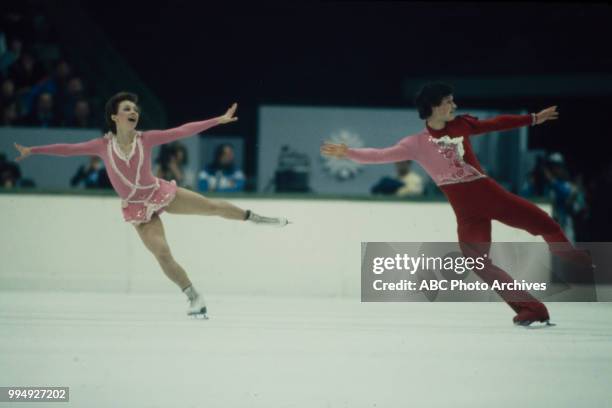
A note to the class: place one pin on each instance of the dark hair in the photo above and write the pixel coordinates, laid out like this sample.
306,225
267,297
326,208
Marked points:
216,164
181,147
431,95
166,152
163,158
112,107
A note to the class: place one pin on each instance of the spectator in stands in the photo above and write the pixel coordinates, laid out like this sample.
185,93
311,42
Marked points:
44,114
565,195
55,85
171,162
26,72
222,175
537,183
9,115
580,211
74,93
58,81
413,183
405,183
181,160
24,79
8,105
16,46
10,174
81,117
92,175
8,54
7,95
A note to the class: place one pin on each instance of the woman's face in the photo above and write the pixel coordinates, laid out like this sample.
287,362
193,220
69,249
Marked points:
127,116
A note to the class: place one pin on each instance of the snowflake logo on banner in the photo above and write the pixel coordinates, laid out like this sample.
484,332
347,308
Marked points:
343,169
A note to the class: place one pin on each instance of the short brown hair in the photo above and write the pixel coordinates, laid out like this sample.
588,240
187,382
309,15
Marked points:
431,95
112,106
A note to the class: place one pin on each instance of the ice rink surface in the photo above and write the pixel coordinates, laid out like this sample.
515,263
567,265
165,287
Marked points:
116,350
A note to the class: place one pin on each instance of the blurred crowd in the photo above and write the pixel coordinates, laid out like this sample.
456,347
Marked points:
221,175
576,205
550,177
10,174
406,182
581,208
39,86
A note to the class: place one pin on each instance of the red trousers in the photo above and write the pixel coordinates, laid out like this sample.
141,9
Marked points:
477,203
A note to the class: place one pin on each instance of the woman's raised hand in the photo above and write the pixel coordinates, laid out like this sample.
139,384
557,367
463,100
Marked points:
23,152
229,115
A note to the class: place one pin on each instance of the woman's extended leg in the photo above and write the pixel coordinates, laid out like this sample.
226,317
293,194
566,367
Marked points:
189,202
153,236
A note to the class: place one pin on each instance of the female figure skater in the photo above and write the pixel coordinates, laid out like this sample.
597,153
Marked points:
126,153
444,150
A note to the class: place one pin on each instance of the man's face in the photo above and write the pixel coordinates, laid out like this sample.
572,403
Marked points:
446,110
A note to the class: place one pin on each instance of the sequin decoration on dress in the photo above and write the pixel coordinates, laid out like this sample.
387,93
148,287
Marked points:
141,212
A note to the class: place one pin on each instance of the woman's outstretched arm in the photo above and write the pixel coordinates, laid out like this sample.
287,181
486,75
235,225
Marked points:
90,148
157,137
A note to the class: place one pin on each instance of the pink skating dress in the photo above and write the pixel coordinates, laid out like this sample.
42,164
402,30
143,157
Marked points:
142,194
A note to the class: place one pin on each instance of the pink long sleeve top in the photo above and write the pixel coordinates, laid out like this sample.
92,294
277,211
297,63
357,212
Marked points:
446,154
130,175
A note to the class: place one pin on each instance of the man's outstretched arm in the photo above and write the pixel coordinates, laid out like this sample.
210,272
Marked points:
507,122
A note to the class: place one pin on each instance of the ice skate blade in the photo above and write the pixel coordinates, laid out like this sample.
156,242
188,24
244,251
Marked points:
528,324
201,314
281,224
198,316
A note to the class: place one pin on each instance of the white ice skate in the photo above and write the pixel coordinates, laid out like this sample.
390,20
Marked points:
197,308
270,221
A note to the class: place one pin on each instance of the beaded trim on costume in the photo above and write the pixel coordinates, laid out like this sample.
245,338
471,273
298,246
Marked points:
151,208
136,185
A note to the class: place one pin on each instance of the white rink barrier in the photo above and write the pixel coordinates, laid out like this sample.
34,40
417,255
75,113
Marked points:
81,243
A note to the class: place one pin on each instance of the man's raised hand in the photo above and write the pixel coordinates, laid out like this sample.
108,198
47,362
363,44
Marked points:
547,114
335,150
